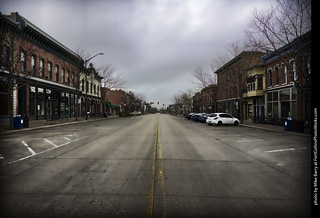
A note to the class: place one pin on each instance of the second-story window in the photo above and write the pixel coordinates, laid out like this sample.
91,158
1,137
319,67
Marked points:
270,77
72,78
6,57
41,67
50,70
68,77
82,84
284,67
63,76
57,73
260,82
33,64
277,75
23,61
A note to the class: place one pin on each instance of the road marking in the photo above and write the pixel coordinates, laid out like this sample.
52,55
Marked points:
160,175
150,195
1,157
286,149
24,158
50,142
67,138
30,149
254,140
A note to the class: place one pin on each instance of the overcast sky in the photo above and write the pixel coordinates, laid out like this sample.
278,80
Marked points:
154,44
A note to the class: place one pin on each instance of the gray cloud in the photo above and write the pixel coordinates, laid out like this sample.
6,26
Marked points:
154,44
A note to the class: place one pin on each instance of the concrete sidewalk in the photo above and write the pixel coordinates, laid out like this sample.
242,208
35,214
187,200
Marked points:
270,127
39,124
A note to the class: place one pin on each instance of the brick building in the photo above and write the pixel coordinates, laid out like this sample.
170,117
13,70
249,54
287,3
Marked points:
114,101
209,98
46,73
232,81
288,81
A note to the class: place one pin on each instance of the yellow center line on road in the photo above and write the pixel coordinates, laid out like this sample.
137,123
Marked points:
161,178
150,196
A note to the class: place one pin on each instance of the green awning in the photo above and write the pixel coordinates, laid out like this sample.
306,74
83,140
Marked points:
112,105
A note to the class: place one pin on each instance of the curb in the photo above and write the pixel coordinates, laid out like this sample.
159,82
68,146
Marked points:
275,130
52,125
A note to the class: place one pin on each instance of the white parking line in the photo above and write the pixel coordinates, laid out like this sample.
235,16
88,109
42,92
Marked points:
286,149
50,142
1,157
30,149
254,140
57,146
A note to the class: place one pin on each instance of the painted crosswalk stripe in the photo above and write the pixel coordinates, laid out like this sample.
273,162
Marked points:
30,149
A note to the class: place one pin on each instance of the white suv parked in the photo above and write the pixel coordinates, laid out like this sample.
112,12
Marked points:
222,119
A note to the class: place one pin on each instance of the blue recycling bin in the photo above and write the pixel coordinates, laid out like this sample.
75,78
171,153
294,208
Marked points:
18,122
288,124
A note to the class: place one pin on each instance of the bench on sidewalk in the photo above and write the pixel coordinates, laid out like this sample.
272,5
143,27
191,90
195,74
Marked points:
53,119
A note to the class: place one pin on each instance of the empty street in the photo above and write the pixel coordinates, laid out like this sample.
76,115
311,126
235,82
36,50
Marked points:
154,165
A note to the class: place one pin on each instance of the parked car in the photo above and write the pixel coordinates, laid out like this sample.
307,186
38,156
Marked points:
135,113
195,117
189,116
203,118
222,119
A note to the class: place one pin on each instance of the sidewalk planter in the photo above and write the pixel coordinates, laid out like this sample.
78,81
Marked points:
288,125
18,122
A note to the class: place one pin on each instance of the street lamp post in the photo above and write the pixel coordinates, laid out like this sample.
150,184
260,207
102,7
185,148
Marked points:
86,80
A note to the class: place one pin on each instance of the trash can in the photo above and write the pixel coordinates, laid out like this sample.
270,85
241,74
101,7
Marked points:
26,121
18,122
288,124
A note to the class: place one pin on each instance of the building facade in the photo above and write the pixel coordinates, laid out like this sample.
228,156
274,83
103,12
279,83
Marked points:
253,97
46,73
288,81
232,82
90,82
209,98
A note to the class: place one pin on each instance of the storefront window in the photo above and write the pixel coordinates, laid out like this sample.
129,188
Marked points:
62,104
40,102
269,110
269,97
72,105
67,104
275,110
275,96
32,101
285,95
294,110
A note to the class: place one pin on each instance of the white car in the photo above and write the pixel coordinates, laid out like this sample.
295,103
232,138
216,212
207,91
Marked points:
136,113
222,119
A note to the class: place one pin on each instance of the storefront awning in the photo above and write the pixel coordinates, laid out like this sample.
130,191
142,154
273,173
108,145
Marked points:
112,105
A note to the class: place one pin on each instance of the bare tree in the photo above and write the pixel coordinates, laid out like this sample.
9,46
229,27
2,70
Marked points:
203,77
110,78
279,25
183,100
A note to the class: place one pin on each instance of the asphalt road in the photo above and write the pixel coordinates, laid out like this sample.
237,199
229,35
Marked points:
154,166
